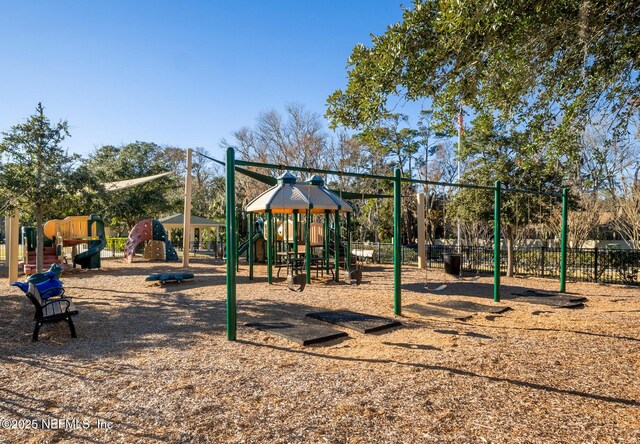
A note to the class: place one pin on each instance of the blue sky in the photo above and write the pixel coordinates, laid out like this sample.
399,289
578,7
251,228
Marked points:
182,73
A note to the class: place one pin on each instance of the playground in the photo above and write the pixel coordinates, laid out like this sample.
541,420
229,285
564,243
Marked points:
153,362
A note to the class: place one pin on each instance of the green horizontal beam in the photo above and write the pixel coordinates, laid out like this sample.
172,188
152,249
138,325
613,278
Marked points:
538,193
311,170
347,173
447,184
388,178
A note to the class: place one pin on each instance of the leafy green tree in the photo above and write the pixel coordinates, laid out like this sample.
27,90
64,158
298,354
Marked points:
85,194
396,144
492,153
208,188
546,68
124,208
37,172
393,140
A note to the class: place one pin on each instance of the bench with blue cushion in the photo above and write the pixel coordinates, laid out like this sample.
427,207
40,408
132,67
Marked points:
51,310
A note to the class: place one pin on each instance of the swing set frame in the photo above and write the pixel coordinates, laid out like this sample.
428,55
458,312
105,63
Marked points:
397,179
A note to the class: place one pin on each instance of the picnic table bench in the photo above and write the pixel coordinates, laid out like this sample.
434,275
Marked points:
319,264
363,255
54,309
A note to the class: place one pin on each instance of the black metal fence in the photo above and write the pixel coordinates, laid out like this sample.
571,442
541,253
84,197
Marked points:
583,264
115,248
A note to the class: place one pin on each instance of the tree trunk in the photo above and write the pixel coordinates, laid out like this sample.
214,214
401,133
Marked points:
510,258
40,238
38,204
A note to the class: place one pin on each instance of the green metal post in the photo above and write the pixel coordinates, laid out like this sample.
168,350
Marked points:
336,246
326,238
232,242
269,248
237,230
251,252
347,254
397,242
307,247
295,241
496,241
563,241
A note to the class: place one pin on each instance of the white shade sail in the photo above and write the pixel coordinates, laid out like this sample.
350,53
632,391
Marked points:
123,184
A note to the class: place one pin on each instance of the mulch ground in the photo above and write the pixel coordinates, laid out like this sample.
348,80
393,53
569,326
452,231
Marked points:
152,363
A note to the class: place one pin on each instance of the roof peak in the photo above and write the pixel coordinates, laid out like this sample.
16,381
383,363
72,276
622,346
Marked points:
315,180
287,178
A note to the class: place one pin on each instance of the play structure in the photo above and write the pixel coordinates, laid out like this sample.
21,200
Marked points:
257,240
156,242
68,232
269,206
81,229
288,199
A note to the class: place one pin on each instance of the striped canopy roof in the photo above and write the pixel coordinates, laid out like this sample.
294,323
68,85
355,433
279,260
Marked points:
322,198
286,197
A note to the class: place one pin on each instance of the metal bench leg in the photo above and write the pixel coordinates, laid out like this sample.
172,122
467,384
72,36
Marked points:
36,329
72,327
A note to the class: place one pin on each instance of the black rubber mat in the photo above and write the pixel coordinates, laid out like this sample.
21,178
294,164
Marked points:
552,301
472,307
299,332
548,294
361,322
557,300
434,312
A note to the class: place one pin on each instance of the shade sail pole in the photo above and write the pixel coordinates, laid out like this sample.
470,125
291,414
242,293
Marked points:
186,227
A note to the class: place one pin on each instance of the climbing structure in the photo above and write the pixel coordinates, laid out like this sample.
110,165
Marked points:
157,245
69,232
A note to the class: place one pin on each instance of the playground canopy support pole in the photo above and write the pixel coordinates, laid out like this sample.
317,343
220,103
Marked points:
294,265
347,253
237,230
7,244
397,242
186,236
232,245
250,247
307,247
326,238
336,246
563,241
496,242
269,248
